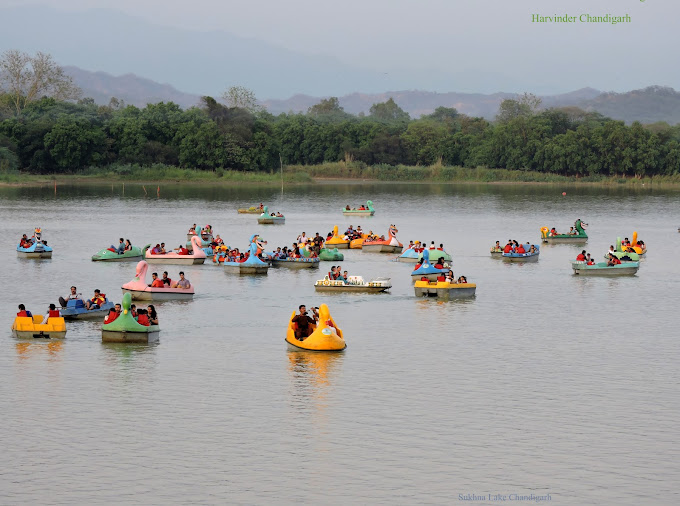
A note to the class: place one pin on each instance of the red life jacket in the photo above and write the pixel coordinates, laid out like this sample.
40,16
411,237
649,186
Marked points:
521,249
99,299
142,319
22,314
617,261
54,314
581,257
507,249
111,317
157,283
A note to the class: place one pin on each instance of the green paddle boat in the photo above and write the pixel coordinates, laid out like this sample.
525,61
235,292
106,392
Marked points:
106,255
331,255
578,235
363,210
125,328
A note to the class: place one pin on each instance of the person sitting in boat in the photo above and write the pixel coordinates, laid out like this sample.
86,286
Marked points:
625,242
192,230
345,276
143,318
448,277
508,247
419,264
207,230
121,246
181,250
156,249
462,279
183,282
612,261
152,314
113,314
553,232
218,241
532,249
520,249
279,215
128,245
74,295
581,257
303,322
302,238
23,312
162,251
97,300
52,312
589,260
362,207
295,251
133,310
155,282
167,282
347,208
261,206
439,264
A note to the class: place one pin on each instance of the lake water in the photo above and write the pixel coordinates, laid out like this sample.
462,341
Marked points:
545,383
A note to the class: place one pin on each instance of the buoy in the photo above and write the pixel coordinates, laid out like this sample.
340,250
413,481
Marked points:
564,193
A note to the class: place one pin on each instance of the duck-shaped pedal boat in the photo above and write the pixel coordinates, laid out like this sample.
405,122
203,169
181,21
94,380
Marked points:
603,269
389,245
578,237
325,336
139,290
427,270
75,310
444,289
336,241
358,243
37,247
267,218
527,256
331,255
111,255
353,284
367,210
251,265
206,241
197,256
27,327
635,246
125,329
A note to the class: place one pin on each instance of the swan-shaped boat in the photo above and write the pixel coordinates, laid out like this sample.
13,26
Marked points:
140,290
269,219
326,335
336,241
37,249
579,238
27,327
367,211
197,256
444,289
353,284
527,256
602,269
125,328
106,255
389,245
75,310
206,241
428,270
252,264
331,255
635,246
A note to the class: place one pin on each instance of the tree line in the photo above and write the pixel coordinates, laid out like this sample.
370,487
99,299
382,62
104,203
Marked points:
46,131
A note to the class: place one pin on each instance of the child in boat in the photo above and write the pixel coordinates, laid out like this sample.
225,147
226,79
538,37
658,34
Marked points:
462,280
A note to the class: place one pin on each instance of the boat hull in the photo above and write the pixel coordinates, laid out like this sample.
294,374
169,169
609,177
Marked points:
446,292
158,296
431,276
331,255
623,269
574,239
300,347
34,334
245,269
295,264
159,259
34,254
358,213
127,336
381,248
339,245
407,260
351,288
521,259
94,314
271,221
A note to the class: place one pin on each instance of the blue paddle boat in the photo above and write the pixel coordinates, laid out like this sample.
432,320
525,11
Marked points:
252,264
34,247
427,270
75,310
527,256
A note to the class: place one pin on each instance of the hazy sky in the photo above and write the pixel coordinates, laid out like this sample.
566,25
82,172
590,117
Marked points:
493,36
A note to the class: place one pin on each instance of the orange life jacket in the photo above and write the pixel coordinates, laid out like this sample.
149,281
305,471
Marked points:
157,283
142,319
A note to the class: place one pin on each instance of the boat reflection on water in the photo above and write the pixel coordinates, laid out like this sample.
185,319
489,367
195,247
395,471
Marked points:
313,375
29,349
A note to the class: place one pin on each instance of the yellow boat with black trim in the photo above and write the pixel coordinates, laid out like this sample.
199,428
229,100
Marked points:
32,327
326,335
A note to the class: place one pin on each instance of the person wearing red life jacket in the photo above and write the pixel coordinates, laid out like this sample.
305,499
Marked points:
142,318
113,314
581,256
508,248
156,283
52,312
97,300
616,261
520,249
23,312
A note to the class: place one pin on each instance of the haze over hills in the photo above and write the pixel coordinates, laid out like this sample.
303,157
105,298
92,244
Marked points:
648,105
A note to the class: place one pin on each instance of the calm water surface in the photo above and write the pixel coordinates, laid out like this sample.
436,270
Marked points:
545,383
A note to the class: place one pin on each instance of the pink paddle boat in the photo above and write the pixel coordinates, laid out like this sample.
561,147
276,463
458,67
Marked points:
139,289
197,256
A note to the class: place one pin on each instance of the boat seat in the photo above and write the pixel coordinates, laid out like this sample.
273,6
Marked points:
75,303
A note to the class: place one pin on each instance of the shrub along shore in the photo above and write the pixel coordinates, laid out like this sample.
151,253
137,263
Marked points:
327,172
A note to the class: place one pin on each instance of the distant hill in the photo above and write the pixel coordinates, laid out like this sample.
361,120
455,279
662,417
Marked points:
648,105
133,90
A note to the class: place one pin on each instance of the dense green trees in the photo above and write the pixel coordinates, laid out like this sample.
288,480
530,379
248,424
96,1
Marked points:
51,136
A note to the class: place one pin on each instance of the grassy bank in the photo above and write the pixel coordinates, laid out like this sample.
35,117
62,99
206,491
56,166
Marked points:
303,174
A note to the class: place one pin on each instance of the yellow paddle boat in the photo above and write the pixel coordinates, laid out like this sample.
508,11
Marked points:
325,336
32,327
336,241
635,245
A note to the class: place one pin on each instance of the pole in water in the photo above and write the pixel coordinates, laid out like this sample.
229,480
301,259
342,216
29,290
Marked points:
158,191
55,186
144,188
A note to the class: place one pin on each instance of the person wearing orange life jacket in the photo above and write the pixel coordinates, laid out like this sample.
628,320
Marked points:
52,312
23,312
97,300
156,283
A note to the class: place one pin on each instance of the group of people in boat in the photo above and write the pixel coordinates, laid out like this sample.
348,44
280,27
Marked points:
26,242
362,207
521,249
52,312
628,247
313,244
94,302
123,246
166,282
207,230
438,263
587,258
304,323
337,274
146,317
294,252
419,247
572,231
